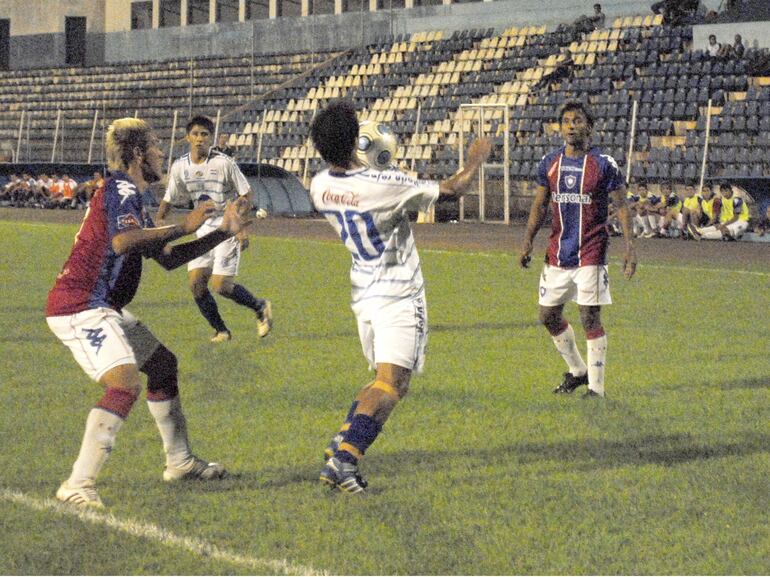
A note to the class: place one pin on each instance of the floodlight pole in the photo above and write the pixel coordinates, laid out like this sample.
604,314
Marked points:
21,132
216,125
631,142
171,142
56,135
705,147
93,135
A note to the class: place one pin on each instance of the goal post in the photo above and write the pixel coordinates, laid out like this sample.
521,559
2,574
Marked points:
484,116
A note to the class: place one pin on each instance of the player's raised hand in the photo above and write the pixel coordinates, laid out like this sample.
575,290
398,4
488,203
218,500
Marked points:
234,219
479,151
197,216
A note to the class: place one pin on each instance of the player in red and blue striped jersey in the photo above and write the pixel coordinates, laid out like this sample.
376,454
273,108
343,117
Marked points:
86,309
579,182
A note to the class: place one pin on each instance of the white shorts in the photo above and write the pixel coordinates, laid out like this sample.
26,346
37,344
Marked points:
586,285
101,339
393,331
223,259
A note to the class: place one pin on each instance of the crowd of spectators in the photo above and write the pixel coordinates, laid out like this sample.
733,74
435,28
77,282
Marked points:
49,191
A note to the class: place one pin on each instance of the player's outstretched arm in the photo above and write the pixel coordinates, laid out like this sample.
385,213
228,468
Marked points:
149,240
534,222
624,215
478,152
233,222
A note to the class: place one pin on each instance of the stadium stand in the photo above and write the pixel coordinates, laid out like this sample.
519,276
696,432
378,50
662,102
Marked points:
417,82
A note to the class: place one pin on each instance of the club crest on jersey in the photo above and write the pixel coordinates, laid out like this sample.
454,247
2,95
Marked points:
128,221
570,181
198,173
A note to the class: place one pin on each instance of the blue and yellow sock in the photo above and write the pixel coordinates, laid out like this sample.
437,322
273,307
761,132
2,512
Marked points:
360,435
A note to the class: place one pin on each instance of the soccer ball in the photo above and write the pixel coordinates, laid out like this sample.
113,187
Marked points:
376,145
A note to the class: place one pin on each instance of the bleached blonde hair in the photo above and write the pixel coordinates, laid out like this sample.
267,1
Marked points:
123,136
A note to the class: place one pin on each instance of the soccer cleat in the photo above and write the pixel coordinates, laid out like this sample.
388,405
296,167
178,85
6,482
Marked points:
342,476
221,337
79,496
196,469
333,445
264,319
651,234
591,394
570,383
694,232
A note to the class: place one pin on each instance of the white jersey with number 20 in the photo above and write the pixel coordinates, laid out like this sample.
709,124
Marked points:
368,209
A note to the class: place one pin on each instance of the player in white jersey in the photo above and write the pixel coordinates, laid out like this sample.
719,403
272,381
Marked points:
205,174
368,209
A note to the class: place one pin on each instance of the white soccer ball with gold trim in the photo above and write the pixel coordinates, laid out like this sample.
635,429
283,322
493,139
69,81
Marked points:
376,145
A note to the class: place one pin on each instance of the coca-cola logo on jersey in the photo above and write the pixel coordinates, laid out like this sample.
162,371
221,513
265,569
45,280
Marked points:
346,198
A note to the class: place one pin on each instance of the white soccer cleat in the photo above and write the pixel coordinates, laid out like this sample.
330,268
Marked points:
196,469
265,319
222,337
79,496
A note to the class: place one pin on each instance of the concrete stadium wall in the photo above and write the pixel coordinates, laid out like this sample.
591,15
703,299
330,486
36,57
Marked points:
314,33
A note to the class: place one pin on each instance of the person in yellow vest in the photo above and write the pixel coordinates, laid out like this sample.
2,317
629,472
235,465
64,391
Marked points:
706,213
690,209
733,217
673,216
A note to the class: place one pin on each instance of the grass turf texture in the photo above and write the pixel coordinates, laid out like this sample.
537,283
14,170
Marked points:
481,470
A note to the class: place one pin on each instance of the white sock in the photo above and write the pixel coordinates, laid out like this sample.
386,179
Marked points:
641,224
597,355
98,439
567,347
172,425
711,233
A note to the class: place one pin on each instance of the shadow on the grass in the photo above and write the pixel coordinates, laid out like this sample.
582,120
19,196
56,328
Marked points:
589,454
755,383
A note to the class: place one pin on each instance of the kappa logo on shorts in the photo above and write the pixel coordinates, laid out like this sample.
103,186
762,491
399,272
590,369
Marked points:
95,338
606,279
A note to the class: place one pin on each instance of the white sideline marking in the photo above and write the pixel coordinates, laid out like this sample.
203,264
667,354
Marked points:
159,534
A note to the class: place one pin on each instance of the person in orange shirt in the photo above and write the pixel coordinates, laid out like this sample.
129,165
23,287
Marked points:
68,186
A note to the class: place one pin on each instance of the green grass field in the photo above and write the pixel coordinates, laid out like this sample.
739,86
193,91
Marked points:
481,470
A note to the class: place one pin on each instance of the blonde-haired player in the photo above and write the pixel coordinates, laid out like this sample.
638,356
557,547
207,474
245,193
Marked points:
86,309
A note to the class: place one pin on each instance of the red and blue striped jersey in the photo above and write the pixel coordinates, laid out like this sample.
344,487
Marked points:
94,276
580,194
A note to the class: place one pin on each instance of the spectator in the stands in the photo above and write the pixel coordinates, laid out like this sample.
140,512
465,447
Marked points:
222,145
714,47
738,48
587,24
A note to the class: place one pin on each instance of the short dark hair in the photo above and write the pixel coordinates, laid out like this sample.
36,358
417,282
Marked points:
725,186
200,120
335,132
599,6
577,105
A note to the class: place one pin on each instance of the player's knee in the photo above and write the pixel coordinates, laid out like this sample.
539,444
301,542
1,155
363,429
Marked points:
552,320
591,318
222,286
161,370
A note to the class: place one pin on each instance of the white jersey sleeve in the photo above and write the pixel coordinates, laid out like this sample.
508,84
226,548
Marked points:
176,190
236,178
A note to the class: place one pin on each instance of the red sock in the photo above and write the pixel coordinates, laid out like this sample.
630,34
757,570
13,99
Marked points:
117,402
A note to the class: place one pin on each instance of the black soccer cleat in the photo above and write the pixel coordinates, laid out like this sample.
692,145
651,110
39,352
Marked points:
570,383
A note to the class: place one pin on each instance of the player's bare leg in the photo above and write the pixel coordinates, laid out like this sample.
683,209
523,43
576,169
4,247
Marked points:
597,348
563,337
198,280
373,405
227,287
122,387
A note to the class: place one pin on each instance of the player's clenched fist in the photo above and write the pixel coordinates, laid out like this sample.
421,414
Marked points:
198,216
